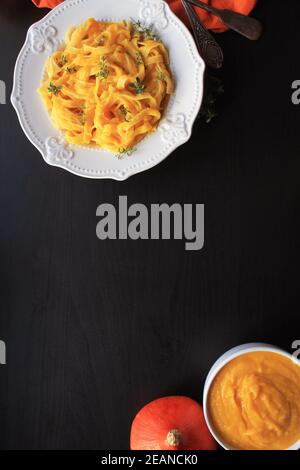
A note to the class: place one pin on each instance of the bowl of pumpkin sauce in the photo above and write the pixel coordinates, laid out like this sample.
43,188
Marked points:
252,399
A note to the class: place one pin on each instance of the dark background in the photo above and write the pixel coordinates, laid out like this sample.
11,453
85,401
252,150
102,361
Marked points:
94,330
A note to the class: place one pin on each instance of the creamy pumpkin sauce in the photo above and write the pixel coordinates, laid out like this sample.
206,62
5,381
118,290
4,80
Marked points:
254,402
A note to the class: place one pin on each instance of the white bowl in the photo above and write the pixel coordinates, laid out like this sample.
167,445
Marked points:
175,128
221,362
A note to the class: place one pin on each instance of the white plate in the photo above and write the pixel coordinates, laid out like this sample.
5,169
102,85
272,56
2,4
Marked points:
44,38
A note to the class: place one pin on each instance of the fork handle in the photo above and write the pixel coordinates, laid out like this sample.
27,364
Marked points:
247,26
208,47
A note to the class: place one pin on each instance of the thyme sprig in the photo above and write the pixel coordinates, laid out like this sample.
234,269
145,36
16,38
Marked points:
213,90
83,117
71,69
138,86
53,89
125,151
104,71
138,58
146,31
63,61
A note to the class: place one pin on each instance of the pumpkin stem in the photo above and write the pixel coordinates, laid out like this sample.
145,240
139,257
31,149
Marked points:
174,438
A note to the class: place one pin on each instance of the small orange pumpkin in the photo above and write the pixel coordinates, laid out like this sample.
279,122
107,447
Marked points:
171,423
47,3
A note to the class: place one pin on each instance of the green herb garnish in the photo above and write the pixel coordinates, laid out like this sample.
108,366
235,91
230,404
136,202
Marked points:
138,86
82,116
103,68
138,58
71,69
63,61
146,31
125,151
52,89
213,90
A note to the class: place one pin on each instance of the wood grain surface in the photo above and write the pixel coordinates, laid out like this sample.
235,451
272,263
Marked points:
95,329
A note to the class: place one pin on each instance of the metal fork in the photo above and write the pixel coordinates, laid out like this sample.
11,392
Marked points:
208,47
247,26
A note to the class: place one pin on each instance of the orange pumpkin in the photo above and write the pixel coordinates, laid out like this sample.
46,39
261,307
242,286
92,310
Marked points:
210,21
47,3
171,423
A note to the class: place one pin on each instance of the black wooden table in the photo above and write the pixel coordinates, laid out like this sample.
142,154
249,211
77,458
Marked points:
95,329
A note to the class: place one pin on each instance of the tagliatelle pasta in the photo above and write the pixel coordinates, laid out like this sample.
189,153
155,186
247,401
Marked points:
108,86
